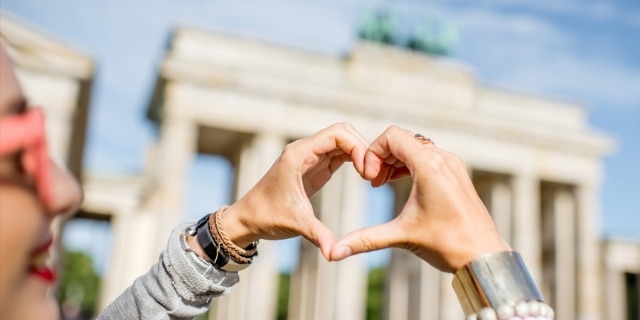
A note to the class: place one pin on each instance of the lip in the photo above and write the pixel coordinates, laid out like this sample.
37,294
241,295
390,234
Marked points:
43,272
44,246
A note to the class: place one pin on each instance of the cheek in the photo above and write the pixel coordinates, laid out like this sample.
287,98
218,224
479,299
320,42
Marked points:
22,223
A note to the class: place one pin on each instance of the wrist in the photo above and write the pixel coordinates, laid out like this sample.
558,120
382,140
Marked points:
236,227
480,248
207,239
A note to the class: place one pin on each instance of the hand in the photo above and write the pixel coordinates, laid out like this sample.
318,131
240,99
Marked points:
444,222
278,206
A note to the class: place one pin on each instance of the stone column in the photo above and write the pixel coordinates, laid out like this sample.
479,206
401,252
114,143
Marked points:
526,224
565,251
615,296
430,299
501,209
495,191
304,281
351,274
588,254
132,233
413,287
255,296
323,290
172,161
402,266
397,288
449,305
421,282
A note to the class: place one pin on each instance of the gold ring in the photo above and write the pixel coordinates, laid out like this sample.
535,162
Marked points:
423,139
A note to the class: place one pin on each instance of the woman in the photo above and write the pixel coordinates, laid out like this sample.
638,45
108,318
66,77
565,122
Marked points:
26,214
444,222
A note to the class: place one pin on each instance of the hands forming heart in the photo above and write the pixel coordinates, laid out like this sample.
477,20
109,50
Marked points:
443,222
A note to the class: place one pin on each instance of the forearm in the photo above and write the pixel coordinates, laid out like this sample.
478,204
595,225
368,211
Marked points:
172,289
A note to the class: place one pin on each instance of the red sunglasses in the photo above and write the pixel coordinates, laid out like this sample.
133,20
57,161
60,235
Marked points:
24,133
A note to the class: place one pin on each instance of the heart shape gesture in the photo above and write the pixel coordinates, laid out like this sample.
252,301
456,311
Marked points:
444,222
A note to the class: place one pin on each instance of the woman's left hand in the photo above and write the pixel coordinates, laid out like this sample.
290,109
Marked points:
444,221
278,206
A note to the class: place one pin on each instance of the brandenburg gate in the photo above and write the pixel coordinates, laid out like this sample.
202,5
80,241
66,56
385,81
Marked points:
535,162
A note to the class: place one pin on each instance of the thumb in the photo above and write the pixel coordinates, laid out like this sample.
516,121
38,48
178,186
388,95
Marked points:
320,235
365,240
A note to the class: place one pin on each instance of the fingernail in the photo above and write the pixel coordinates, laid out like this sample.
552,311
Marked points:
342,253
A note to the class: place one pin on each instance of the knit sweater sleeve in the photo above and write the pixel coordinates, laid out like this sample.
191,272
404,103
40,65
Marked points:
172,289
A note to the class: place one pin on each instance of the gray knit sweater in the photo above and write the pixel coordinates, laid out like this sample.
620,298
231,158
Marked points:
172,289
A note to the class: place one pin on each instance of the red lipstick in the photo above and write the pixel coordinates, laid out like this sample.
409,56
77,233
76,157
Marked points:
38,266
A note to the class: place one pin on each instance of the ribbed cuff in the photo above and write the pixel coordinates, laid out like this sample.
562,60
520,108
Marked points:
192,284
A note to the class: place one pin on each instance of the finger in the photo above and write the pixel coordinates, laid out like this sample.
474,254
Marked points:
319,234
384,173
378,158
396,171
366,240
352,140
397,142
374,169
337,161
357,134
342,136
386,170
400,173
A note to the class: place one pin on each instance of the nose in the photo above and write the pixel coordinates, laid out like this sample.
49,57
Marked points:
66,194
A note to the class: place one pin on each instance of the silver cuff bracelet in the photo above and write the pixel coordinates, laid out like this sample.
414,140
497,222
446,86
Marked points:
494,280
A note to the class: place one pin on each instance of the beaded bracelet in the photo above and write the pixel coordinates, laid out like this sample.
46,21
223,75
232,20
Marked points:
534,310
238,254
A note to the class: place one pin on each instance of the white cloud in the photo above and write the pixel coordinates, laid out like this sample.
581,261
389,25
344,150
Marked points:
581,79
594,9
501,25
534,54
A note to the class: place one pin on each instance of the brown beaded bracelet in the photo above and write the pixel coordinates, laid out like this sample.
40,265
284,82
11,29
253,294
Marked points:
238,254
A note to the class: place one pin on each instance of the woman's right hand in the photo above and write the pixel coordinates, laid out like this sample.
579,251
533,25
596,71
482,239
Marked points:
278,206
444,222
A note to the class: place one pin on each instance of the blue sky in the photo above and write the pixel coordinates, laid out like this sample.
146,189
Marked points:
586,51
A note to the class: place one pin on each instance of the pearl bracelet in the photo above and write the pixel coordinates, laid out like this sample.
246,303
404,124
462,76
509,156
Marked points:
529,310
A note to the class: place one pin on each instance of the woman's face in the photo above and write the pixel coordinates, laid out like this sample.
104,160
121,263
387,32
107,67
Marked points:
25,219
